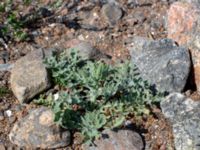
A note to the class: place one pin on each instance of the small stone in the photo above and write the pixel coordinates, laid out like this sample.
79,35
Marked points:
1,116
29,76
132,3
10,148
87,51
8,113
2,147
12,120
56,96
161,62
4,55
112,13
118,140
5,106
18,107
38,130
6,67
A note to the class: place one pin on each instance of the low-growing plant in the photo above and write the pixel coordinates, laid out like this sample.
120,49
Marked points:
91,123
27,2
57,3
95,95
4,91
13,27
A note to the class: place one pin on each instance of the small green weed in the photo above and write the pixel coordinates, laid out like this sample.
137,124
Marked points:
15,28
27,2
12,27
3,91
57,3
95,95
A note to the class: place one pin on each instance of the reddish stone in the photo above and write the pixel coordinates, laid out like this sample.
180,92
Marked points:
182,19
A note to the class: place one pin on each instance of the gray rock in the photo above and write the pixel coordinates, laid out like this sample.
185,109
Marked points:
6,67
38,130
161,62
4,55
87,51
122,139
1,116
184,114
104,1
112,13
29,76
12,119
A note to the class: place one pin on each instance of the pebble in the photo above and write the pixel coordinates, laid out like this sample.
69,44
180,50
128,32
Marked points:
1,117
112,13
56,96
6,67
2,147
8,113
12,119
18,107
5,106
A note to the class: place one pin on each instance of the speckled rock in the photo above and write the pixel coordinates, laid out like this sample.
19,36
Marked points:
38,130
112,13
120,140
29,76
184,115
161,62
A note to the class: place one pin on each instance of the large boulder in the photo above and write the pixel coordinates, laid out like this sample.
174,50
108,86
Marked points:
184,114
29,76
38,130
122,139
161,62
184,27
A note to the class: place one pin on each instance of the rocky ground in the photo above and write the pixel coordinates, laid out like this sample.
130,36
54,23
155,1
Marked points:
120,30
